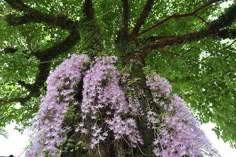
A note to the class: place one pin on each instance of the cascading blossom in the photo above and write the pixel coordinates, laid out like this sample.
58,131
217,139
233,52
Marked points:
61,86
126,128
101,88
159,86
104,99
179,133
108,111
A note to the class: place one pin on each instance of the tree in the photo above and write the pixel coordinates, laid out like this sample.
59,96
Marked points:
181,40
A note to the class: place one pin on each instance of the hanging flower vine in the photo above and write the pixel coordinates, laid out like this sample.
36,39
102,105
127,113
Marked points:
107,109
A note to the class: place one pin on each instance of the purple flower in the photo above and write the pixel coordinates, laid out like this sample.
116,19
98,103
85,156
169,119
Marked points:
105,100
61,86
159,86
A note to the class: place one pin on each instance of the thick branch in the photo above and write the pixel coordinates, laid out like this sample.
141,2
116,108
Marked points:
88,10
123,33
58,48
140,22
8,101
45,55
180,39
9,50
34,16
19,5
50,53
175,16
44,68
218,28
59,21
125,20
91,42
225,20
226,33
34,89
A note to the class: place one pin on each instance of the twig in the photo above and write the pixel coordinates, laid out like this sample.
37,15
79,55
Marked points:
175,16
146,10
229,45
200,18
188,51
99,153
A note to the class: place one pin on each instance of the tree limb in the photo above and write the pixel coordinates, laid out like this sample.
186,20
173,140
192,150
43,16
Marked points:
88,10
52,52
47,55
34,16
226,33
217,28
175,16
224,20
180,39
140,22
123,32
228,46
8,101
19,5
125,19
59,21
9,50
200,18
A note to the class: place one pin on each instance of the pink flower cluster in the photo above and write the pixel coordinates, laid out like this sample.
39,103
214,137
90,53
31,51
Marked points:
179,133
109,110
159,86
152,119
104,102
101,88
61,85
125,128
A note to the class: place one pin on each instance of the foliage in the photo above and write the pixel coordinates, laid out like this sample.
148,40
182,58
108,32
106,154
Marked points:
3,132
191,43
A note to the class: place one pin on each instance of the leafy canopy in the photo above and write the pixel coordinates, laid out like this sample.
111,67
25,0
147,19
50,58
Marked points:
192,43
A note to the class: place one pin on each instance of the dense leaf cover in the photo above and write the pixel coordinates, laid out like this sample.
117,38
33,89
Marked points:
191,43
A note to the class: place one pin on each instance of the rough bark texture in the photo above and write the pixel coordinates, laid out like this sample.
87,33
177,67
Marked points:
145,101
